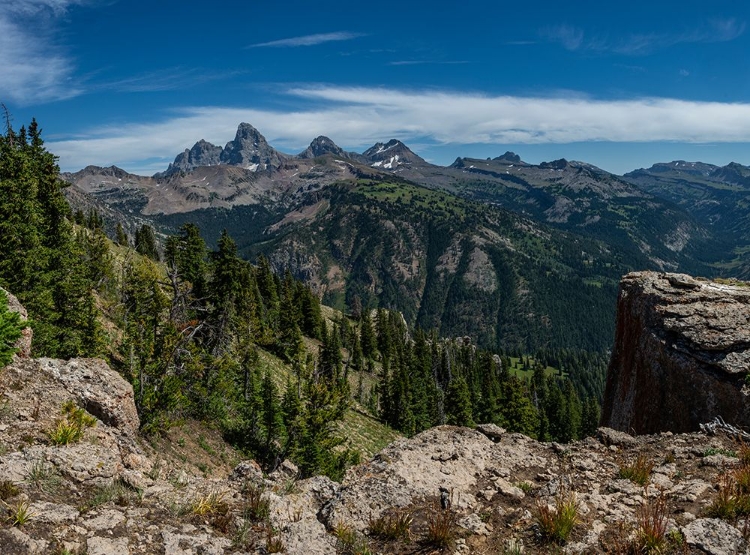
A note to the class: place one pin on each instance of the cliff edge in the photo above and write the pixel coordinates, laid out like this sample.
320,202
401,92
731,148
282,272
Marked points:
681,355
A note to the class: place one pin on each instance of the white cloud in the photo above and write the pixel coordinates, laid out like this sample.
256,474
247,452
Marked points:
638,44
358,117
33,69
309,40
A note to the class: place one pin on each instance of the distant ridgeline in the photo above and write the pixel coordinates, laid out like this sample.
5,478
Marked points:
204,334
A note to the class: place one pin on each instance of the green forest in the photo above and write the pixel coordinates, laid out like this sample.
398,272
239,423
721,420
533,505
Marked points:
187,325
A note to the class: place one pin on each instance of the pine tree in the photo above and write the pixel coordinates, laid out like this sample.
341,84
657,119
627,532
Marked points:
272,419
367,335
458,411
145,242
121,238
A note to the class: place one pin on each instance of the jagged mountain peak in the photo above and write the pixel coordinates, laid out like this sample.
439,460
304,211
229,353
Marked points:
390,155
321,146
203,153
509,156
250,150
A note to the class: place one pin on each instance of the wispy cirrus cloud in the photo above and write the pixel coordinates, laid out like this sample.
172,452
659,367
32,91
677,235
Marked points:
164,80
637,44
34,65
356,117
428,62
308,40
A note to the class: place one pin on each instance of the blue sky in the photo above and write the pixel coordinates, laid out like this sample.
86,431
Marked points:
618,84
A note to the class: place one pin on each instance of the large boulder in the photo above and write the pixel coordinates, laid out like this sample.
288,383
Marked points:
681,354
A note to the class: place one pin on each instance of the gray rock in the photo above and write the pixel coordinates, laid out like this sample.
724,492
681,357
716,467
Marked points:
609,437
14,540
321,146
105,520
98,388
692,335
53,513
492,431
23,344
107,546
203,153
715,537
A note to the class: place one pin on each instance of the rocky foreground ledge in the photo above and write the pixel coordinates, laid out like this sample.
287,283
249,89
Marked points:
109,492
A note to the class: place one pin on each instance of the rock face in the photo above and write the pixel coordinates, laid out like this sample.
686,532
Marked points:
681,354
203,153
321,146
390,155
250,150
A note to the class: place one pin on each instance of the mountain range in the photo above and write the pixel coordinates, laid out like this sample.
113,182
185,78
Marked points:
516,255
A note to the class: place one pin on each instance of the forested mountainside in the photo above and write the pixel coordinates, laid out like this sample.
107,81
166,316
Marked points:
518,256
717,197
204,334
458,266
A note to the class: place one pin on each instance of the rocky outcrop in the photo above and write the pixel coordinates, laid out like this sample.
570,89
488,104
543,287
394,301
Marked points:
111,492
681,354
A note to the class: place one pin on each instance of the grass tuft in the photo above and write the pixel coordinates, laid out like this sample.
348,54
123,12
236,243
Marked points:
391,526
20,514
348,542
43,477
70,428
441,527
652,518
557,522
8,489
257,505
639,471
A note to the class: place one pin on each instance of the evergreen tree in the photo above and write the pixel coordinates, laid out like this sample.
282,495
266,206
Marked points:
367,335
272,419
458,410
145,242
121,238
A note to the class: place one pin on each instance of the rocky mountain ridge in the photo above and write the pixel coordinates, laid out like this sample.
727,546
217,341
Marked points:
111,492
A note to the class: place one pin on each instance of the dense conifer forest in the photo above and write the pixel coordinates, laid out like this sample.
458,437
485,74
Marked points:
187,325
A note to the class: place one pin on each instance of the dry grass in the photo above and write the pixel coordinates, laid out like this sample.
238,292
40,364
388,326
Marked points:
639,471
441,527
557,522
391,526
